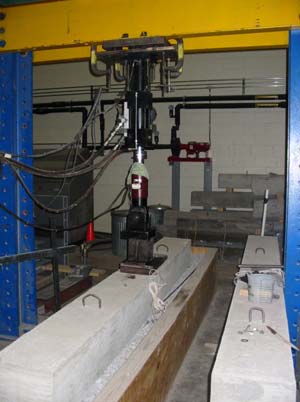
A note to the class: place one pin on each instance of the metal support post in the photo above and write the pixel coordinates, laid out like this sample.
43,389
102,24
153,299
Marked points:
18,311
55,271
207,183
292,219
176,185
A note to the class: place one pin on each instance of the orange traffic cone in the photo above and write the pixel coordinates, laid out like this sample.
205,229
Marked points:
90,234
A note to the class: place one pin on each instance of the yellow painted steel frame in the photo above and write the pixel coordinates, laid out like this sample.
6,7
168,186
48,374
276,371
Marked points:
63,30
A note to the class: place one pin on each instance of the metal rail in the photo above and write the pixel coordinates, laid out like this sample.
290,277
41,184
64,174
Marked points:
37,254
242,84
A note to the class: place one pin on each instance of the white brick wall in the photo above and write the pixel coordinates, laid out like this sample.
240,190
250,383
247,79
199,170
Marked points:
242,140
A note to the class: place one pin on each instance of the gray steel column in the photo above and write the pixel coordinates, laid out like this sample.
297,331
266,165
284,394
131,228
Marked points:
207,182
176,185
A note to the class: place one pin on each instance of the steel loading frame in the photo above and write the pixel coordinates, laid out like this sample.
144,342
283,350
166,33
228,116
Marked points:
21,310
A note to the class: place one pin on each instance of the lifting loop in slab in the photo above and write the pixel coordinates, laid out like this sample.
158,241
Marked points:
260,249
91,295
164,246
257,309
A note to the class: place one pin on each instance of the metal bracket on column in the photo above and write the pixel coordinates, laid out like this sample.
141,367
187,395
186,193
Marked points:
292,221
18,311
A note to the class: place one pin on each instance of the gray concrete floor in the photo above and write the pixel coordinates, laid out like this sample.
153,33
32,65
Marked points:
192,381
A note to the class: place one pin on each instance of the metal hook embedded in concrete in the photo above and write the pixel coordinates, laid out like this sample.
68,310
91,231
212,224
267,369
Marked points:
260,248
257,309
162,245
91,295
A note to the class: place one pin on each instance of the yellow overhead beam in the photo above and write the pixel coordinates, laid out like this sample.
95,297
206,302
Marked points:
203,44
63,30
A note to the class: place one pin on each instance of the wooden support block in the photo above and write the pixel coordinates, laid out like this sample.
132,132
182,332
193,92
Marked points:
199,250
244,292
66,269
61,268
43,281
152,367
67,293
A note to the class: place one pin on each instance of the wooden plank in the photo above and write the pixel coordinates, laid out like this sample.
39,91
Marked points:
221,199
152,367
67,293
42,280
199,250
66,269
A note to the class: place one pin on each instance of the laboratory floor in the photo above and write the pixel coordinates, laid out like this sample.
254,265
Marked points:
192,381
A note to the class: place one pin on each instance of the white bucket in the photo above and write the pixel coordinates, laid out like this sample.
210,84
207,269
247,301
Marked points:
261,287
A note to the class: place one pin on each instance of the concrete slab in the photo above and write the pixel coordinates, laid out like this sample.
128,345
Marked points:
222,199
261,250
275,208
237,180
58,360
254,366
151,367
257,182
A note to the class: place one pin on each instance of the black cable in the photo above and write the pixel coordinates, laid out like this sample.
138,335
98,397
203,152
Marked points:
46,208
75,204
60,173
48,229
179,286
63,183
55,174
104,212
27,223
78,135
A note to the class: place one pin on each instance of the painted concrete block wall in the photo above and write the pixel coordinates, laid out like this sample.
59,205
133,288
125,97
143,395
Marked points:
243,141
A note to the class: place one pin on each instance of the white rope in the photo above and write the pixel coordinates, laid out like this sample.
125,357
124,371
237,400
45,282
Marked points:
155,284
157,303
